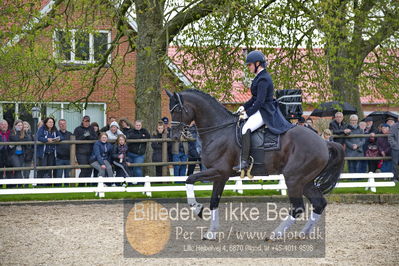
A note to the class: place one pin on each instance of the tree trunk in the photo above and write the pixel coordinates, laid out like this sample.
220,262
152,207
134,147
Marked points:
344,74
151,51
149,66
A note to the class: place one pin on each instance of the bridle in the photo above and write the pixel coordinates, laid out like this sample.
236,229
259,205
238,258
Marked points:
184,128
179,106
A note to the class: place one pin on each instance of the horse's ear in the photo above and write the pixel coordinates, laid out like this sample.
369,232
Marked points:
170,95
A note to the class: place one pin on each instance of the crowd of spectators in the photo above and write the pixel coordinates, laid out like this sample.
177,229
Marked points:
112,159
106,158
370,146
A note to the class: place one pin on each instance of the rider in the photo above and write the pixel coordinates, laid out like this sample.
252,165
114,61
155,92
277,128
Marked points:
261,109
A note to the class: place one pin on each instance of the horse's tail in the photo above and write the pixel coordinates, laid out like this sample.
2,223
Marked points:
328,178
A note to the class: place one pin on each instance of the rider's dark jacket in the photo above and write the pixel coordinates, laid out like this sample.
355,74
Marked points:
262,100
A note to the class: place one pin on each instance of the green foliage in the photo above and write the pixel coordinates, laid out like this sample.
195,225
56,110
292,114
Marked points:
332,49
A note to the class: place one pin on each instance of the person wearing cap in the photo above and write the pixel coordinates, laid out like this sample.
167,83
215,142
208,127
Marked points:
110,120
261,109
83,151
114,131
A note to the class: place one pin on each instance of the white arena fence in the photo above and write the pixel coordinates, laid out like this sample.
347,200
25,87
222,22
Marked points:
363,180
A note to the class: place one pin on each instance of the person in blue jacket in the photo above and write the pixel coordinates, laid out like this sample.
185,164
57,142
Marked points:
261,109
46,153
101,157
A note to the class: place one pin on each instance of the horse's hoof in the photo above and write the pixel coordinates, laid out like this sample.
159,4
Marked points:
209,236
201,212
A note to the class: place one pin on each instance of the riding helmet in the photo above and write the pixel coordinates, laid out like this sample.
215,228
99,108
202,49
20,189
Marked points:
256,56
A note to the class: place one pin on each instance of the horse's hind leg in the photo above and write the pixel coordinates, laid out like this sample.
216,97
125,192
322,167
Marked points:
297,207
218,187
315,197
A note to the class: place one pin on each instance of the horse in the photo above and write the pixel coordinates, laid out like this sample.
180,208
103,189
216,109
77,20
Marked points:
311,166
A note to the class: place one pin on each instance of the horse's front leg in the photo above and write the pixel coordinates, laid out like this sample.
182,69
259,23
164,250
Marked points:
218,187
208,175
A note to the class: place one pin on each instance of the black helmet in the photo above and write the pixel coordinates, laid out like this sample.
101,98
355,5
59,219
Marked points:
256,56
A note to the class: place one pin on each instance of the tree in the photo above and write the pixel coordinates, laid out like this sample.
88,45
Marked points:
335,50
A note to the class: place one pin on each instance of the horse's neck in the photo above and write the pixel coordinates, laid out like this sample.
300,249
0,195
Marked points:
208,118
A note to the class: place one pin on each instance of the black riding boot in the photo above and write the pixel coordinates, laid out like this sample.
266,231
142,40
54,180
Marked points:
246,144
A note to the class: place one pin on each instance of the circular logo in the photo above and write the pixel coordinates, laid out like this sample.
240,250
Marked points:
148,227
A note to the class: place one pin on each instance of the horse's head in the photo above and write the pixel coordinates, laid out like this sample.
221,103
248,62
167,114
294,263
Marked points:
182,115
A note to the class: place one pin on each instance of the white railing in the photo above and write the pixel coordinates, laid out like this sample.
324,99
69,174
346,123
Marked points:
366,180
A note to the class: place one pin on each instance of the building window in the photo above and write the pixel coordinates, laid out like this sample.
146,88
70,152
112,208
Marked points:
79,47
73,115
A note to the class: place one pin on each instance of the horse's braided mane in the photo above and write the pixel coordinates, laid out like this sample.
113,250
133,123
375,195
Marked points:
212,100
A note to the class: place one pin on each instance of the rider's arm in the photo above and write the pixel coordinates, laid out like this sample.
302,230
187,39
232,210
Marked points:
263,85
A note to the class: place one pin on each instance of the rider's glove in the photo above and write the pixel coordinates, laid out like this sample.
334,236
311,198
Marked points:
240,109
243,116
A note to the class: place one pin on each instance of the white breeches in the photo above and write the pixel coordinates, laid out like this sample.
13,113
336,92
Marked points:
254,122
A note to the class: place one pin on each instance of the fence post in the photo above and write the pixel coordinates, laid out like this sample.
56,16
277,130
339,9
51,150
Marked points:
282,183
147,184
164,154
239,183
72,156
371,180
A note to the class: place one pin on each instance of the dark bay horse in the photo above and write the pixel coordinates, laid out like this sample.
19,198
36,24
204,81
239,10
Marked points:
310,165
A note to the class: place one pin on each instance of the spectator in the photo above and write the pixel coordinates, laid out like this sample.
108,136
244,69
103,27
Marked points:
157,146
362,125
369,147
393,140
326,135
354,146
309,124
84,151
385,149
17,152
114,131
390,121
166,124
125,126
136,151
63,150
110,120
28,157
101,157
338,127
119,156
179,154
369,126
96,128
193,150
46,153
4,137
